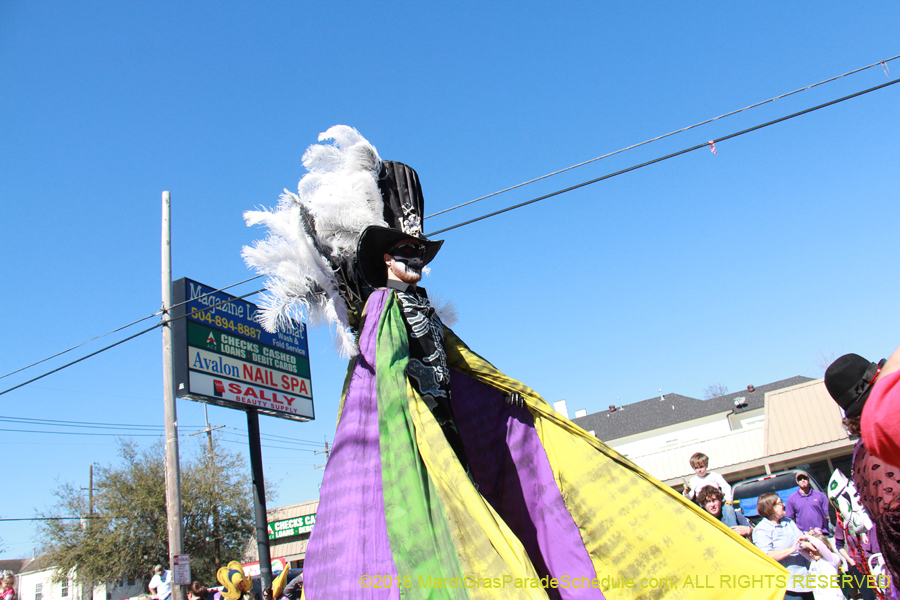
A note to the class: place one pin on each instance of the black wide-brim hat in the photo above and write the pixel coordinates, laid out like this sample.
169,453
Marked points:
376,241
849,381
403,211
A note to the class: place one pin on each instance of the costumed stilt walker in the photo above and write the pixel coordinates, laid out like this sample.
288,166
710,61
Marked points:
449,479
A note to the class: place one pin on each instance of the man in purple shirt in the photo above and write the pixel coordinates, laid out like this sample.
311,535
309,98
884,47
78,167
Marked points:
807,507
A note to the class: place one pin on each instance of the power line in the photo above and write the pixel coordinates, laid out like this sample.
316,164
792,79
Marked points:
244,443
82,344
214,306
217,305
81,359
62,518
662,158
75,426
520,205
159,312
100,424
299,443
706,122
84,433
273,437
87,424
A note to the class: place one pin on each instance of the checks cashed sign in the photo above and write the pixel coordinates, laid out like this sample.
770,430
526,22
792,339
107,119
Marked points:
291,527
224,357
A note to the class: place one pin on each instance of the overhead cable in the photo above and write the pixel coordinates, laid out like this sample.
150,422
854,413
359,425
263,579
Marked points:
62,518
708,144
159,312
270,436
81,359
520,205
244,443
129,338
219,290
883,63
85,433
82,344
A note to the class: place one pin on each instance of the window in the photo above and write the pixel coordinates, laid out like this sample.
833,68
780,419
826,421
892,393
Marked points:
38,591
65,588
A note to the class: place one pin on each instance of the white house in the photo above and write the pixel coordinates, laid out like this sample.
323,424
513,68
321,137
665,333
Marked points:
763,429
34,581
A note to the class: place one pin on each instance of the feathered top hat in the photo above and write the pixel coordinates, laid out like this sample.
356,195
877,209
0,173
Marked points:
403,207
326,243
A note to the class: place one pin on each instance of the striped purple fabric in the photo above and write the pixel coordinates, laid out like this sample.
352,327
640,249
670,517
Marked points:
510,466
350,540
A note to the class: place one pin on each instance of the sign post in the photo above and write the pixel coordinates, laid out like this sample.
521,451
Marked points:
259,500
223,357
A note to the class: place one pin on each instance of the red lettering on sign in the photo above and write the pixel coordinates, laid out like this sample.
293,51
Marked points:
303,389
250,392
234,388
260,376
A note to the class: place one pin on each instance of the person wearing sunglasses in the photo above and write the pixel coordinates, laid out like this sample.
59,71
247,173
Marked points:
780,538
807,507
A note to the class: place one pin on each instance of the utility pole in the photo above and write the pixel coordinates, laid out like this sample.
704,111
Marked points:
326,452
173,470
90,491
208,431
217,538
87,589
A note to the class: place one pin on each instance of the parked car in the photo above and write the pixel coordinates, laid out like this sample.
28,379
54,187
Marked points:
784,483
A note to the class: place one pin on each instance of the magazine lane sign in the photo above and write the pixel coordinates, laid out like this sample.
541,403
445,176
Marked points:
224,357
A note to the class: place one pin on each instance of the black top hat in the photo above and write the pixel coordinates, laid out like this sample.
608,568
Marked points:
403,207
849,381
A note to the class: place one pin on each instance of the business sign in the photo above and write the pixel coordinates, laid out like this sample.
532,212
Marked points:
251,569
223,356
291,527
181,569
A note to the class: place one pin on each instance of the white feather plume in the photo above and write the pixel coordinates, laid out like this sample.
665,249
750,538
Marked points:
340,191
446,310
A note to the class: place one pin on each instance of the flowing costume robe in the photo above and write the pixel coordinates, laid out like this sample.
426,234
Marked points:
398,516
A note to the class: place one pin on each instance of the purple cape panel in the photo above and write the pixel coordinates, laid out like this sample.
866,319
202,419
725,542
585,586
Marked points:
350,538
510,466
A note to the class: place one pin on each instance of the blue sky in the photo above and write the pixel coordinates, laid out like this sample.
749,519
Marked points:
737,268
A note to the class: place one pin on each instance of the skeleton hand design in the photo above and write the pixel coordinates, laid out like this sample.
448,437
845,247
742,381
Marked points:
515,399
